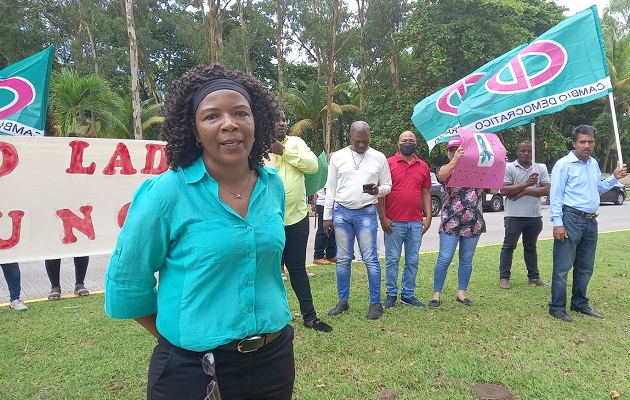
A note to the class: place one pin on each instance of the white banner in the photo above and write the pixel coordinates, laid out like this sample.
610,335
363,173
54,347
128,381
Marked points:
62,197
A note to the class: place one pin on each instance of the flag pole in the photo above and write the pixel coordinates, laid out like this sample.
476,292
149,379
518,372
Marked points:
615,128
533,125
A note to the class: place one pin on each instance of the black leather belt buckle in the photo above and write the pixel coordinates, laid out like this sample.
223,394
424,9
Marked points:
250,344
580,213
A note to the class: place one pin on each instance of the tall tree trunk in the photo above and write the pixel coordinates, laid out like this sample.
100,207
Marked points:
280,49
133,57
84,25
245,40
317,49
363,68
331,72
394,70
147,76
206,30
214,30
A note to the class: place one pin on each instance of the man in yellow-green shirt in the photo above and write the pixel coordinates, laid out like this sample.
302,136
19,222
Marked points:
293,158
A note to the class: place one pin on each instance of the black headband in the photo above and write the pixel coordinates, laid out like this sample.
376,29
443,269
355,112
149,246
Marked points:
218,84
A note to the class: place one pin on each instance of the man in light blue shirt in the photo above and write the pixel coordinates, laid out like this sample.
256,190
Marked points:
575,187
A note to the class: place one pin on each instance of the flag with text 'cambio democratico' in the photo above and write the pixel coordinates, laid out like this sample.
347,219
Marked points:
435,117
24,95
564,66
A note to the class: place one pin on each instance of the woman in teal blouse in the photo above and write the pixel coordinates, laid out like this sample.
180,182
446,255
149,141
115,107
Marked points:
212,228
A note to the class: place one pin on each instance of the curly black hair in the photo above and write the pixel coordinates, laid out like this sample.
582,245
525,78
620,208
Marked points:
179,118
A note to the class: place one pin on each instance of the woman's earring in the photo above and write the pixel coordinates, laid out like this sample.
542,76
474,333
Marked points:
198,144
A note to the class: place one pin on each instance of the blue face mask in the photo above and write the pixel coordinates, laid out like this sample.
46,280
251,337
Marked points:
407,148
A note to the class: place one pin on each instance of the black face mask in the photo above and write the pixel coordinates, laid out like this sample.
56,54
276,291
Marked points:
407,148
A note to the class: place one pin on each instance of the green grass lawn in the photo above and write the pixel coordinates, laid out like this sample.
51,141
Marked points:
71,350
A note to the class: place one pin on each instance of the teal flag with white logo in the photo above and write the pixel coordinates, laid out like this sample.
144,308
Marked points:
564,66
316,181
24,95
435,117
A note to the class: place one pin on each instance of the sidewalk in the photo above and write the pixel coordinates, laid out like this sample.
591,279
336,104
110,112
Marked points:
35,283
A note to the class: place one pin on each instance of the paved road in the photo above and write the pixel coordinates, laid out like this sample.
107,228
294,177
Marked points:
35,284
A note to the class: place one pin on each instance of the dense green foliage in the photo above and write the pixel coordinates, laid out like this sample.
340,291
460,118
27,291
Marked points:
389,54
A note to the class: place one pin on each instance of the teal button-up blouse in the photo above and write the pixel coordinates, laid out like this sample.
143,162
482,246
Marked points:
219,274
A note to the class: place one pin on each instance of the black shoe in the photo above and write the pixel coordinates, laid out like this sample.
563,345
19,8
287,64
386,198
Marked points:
465,301
390,301
587,311
560,314
375,311
318,325
339,308
434,303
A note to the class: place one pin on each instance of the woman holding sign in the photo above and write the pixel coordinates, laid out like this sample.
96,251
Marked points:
462,224
212,226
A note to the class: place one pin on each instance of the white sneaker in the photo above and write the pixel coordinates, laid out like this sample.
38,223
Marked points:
18,305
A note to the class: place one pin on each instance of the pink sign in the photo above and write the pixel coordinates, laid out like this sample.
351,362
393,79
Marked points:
483,162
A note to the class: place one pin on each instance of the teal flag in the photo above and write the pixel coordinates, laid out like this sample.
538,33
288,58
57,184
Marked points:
316,181
24,95
435,117
564,66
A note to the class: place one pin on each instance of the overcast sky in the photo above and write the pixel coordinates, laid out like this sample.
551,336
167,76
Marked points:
576,6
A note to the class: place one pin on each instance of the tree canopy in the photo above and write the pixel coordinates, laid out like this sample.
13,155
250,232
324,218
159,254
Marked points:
386,55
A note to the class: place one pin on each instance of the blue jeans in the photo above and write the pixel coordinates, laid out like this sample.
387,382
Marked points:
409,234
448,244
362,224
577,251
11,273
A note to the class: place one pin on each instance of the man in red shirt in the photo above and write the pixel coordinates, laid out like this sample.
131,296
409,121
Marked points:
402,219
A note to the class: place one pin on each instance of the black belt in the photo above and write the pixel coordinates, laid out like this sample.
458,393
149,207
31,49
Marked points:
360,208
251,343
580,213
247,345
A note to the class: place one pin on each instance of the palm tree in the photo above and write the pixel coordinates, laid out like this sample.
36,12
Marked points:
84,105
149,116
308,106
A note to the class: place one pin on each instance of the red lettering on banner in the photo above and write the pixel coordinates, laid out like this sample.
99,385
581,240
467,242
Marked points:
120,159
10,158
71,220
16,223
76,159
152,150
122,214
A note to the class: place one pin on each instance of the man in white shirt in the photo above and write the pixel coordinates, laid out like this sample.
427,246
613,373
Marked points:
524,184
357,176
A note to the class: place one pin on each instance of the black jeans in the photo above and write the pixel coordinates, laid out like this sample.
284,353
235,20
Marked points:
325,246
530,228
265,374
294,258
53,268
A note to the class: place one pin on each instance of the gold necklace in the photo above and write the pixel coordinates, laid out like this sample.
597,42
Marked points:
239,195
356,166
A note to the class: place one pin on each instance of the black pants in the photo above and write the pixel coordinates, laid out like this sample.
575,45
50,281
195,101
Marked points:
325,246
53,269
294,258
265,374
530,228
